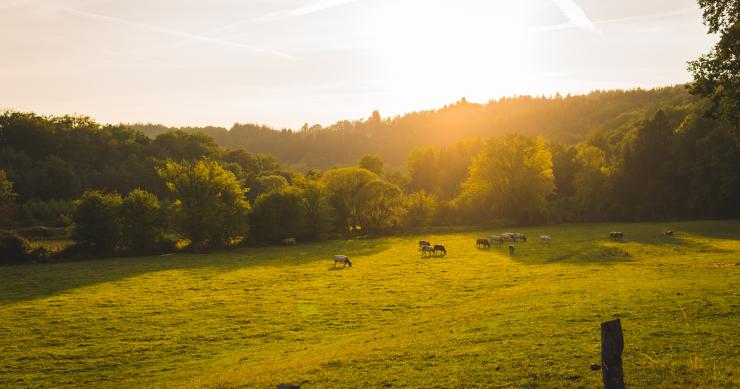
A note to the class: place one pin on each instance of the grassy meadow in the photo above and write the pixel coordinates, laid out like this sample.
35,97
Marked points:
256,317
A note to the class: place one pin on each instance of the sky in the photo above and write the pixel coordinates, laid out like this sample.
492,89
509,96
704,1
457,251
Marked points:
288,62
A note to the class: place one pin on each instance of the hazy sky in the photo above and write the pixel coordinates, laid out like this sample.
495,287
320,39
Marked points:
286,62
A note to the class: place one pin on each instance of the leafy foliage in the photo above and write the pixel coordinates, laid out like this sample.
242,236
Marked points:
717,74
511,179
210,207
7,198
14,249
142,221
347,190
96,221
421,209
279,214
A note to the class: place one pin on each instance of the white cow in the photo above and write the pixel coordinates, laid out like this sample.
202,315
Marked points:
342,259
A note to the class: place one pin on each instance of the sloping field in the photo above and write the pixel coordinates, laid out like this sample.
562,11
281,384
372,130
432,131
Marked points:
259,317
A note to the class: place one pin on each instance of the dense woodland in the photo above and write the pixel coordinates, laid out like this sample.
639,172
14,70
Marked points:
657,154
568,120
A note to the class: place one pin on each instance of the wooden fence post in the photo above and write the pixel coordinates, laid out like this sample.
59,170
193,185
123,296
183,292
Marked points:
612,345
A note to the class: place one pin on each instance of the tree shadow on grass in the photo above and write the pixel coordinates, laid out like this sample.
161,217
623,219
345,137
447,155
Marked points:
581,254
688,242
29,282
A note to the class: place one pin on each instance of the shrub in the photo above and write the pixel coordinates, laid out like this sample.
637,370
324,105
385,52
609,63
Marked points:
210,209
142,222
96,221
14,248
51,212
277,215
42,232
421,209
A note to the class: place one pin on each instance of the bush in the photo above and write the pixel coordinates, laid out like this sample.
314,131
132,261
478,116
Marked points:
14,248
278,215
210,209
42,232
50,213
421,209
96,218
142,222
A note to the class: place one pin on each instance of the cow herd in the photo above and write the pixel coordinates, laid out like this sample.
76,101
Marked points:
429,250
506,237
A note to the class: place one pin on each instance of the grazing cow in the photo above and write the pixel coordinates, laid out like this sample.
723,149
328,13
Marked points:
423,243
342,259
427,251
508,236
496,239
517,236
668,233
511,250
290,241
440,248
482,242
616,235
545,238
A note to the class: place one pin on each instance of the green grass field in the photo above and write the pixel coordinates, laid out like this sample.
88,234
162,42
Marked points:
259,317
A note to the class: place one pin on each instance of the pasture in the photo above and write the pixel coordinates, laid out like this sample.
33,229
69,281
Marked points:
256,317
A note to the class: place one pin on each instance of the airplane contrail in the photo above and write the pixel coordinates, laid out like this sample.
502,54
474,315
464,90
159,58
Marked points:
177,33
575,15
305,10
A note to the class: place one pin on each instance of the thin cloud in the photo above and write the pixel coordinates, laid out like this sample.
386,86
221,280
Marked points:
659,15
305,10
627,19
575,14
177,33
10,4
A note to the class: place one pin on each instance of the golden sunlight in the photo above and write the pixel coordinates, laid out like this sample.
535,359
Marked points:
436,52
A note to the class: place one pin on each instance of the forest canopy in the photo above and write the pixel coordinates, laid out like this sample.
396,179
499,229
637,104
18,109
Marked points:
619,155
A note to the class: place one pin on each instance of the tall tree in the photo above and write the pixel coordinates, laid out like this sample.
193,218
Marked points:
372,163
511,178
96,221
211,209
383,205
645,181
7,198
346,189
143,222
717,73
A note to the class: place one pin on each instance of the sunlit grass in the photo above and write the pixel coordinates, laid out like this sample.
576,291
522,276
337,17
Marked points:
258,317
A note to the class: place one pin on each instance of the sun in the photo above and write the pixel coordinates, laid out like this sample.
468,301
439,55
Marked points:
438,51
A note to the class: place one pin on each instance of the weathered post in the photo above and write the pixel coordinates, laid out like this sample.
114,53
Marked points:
288,386
612,345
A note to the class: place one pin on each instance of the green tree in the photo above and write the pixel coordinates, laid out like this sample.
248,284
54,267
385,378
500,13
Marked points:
382,205
279,214
346,189
317,211
372,163
645,180
142,222
716,74
7,198
421,209
210,208
511,178
421,164
592,184
272,183
96,219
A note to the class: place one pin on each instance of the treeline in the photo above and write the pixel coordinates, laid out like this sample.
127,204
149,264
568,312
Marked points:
568,120
120,192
